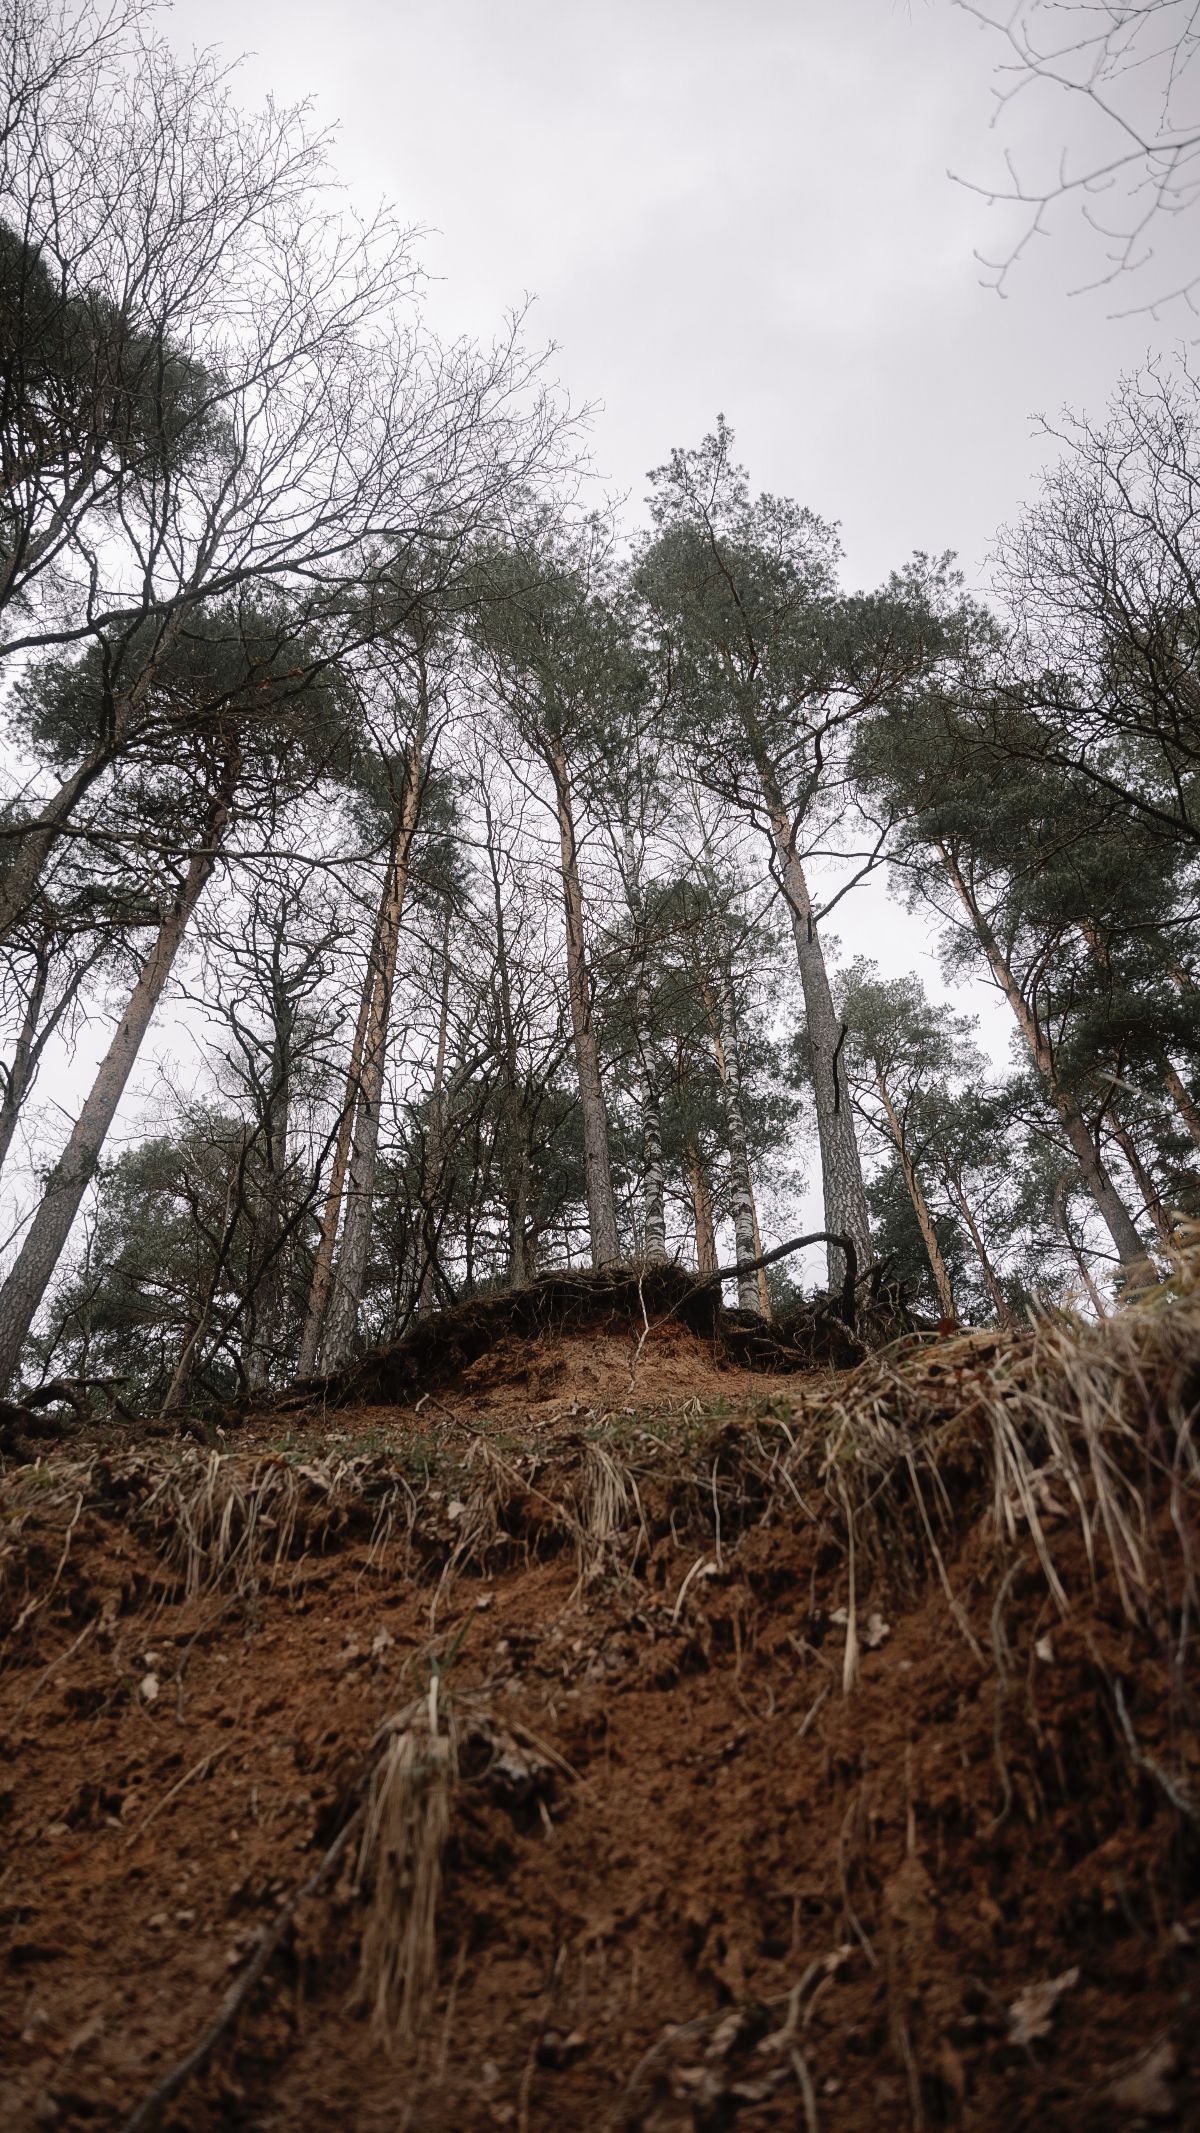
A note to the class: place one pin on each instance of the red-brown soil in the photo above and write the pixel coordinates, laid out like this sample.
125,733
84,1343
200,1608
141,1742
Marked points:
700,1871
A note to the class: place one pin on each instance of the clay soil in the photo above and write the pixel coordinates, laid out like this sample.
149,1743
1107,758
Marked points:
791,1774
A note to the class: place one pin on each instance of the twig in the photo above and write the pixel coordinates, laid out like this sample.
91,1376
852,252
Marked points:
645,1333
1175,1792
800,2069
203,1766
197,2058
62,1659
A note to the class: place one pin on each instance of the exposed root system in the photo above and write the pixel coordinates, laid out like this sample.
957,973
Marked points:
634,1304
821,1756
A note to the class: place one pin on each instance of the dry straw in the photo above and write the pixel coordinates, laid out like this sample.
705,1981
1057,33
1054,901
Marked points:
405,1827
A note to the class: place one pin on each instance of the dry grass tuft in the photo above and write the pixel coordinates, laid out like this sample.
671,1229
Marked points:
405,1827
1061,1422
226,1523
607,1507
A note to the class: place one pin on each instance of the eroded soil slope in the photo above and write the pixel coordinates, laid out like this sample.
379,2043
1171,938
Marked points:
713,1751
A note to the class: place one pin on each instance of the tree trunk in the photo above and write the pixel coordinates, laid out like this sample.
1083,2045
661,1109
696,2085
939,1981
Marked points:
21,1069
516,1164
602,1213
76,1167
941,1274
1151,1200
1184,1103
20,884
843,1191
702,1208
654,1202
198,1323
990,1276
37,839
722,1022
1151,1197
1085,1275
518,1217
434,1155
1129,1247
322,1278
360,1198
760,1273
266,1299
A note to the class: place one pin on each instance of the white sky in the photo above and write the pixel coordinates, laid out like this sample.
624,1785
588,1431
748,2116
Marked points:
739,207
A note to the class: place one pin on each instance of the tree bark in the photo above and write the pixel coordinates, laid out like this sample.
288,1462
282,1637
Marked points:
702,1209
21,1068
1184,1103
322,1278
1085,1275
933,1250
76,1167
266,1298
722,1023
990,1276
602,1213
1119,1223
843,1191
654,1200
760,1273
356,1229
434,1154
200,1319
1151,1197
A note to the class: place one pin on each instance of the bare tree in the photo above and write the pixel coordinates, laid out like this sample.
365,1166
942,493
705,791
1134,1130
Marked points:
1124,159
215,381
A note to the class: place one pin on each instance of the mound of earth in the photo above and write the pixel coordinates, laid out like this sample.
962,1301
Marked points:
634,1317
763,1751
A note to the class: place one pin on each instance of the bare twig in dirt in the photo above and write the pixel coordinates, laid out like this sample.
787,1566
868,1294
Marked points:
824,1967
200,1769
61,1660
34,1606
804,2078
195,2060
1175,1792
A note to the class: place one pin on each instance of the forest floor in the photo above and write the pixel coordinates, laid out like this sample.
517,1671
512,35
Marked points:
621,1738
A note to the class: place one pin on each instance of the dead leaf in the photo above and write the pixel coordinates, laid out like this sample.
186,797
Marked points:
1143,2091
148,1688
953,2072
726,2035
1032,2012
1045,1650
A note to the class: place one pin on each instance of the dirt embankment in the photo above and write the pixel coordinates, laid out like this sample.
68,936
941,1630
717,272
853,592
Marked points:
714,1751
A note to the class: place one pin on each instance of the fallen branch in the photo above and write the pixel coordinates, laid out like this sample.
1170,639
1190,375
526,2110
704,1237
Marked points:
846,1303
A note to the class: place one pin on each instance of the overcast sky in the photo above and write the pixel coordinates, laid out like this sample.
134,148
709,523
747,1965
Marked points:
739,207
